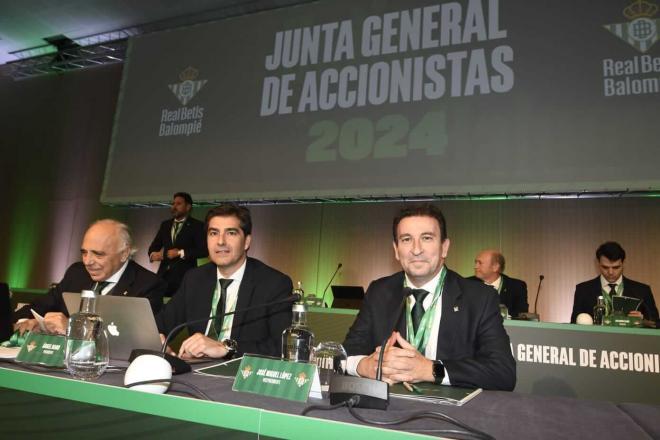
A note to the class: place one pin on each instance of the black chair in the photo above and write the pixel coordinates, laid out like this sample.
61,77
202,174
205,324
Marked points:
5,313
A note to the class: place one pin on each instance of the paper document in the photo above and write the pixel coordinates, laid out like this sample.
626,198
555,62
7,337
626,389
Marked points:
40,320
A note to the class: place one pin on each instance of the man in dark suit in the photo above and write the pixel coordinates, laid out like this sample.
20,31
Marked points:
451,330
106,268
489,267
231,281
611,282
180,241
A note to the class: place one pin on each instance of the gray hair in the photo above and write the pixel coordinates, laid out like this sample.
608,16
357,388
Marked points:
123,231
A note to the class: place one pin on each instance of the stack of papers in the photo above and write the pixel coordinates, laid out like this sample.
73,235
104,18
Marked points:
439,394
9,352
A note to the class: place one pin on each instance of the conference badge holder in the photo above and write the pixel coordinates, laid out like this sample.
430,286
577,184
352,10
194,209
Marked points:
277,378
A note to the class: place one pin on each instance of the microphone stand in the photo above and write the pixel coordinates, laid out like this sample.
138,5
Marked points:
373,393
329,282
534,316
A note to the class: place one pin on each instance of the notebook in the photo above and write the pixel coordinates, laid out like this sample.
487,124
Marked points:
128,320
347,297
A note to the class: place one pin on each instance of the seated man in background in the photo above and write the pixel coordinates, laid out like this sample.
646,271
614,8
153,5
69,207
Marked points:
611,282
231,281
180,241
106,268
489,268
451,330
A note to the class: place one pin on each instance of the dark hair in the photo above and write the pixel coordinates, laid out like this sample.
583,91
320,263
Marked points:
185,196
426,210
611,250
232,210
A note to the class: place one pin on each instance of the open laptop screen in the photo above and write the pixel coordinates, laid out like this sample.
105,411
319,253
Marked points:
129,322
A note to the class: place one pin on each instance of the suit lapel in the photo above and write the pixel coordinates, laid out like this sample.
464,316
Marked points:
451,308
245,293
125,282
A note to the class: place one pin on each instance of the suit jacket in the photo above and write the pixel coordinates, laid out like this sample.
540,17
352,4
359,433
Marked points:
513,294
587,293
191,238
472,342
135,281
257,331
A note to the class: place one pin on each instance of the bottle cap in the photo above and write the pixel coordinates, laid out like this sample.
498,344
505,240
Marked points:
87,294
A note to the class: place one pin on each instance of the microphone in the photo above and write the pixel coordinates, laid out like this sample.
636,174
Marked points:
372,393
176,364
329,282
534,316
407,291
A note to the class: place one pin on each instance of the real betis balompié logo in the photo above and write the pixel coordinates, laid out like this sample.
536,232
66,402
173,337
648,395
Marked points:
246,372
189,85
641,31
301,379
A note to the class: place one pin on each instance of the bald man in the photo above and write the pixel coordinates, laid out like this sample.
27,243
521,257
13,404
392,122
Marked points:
489,268
106,268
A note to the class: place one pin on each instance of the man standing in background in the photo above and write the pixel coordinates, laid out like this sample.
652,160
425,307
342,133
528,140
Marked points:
180,241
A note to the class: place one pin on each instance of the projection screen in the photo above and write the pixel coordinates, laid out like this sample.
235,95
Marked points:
392,98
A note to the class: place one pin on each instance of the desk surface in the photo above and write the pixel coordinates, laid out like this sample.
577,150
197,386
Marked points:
501,414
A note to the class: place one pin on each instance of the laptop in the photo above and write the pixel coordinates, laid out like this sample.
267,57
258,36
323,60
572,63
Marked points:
128,320
347,297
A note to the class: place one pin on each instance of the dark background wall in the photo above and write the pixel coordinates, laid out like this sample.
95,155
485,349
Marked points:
55,132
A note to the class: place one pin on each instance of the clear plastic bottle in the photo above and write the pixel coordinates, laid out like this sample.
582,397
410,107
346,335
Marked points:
298,339
87,353
599,311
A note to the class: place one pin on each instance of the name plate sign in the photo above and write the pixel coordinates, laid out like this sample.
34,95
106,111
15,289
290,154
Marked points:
41,349
278,378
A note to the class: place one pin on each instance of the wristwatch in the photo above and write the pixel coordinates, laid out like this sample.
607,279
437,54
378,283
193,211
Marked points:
438,372
231,346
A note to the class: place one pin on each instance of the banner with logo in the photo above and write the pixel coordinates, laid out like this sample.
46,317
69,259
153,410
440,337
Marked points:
392,98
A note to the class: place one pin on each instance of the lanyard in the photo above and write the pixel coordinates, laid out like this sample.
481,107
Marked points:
421,338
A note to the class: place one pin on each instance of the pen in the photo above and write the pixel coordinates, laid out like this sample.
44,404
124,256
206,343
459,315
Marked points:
412,388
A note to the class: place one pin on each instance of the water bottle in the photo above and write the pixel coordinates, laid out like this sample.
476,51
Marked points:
599,311
298,339
86,355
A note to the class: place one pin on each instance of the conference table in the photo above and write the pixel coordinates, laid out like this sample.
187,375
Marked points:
50,404
562,391
615,364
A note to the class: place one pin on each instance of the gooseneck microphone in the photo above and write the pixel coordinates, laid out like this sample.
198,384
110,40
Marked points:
371,393
406,293
177,364
538,290
533,316
329,282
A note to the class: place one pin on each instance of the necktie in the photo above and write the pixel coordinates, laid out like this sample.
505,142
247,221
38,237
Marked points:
176,227
98,289
612,289
418,308
220,307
